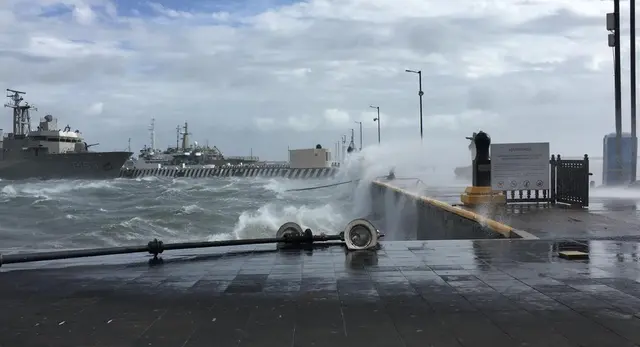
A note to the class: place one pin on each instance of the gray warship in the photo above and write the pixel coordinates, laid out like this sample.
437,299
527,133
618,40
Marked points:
49,152
185,153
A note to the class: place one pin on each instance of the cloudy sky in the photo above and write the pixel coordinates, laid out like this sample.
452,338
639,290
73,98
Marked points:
262,75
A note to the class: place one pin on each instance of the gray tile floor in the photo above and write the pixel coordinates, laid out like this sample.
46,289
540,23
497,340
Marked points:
415,293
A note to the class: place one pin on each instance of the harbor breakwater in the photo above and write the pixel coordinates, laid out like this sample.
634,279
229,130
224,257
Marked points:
418,217
280,171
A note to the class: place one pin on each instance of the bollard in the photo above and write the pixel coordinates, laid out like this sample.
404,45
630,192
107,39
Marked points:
480,192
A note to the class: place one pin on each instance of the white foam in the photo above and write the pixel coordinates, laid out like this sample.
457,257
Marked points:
51,189
265,221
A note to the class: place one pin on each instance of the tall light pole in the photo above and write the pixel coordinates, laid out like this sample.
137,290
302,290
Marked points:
613,25
377,120
420,94
632,39
360,134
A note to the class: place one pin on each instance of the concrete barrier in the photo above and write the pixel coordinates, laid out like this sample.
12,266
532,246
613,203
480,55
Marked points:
418,217
277,171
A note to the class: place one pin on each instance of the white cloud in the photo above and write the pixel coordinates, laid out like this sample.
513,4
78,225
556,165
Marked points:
244,76
265,124
95,109
83,14
162,10
337,117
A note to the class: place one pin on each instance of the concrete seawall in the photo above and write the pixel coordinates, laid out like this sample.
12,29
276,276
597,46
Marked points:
279,171
408,215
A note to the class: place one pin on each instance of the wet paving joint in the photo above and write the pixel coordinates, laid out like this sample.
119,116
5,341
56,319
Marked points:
412,293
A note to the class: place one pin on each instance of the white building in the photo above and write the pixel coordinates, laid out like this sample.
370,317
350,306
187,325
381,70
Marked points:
309,158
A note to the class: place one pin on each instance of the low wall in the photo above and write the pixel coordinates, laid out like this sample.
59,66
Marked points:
407,215
279,171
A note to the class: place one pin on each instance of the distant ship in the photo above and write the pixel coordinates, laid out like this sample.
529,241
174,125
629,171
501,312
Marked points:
463,173
49,152
183,153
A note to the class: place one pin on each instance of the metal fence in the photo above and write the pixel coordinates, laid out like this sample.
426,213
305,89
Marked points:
569,184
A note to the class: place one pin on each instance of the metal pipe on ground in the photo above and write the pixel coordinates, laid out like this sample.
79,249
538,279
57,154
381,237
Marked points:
156,247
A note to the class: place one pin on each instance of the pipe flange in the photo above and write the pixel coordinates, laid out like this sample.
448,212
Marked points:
289,229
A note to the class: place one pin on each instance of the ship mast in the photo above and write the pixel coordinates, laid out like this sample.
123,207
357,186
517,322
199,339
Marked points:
185,137
152,130
21,116
178,132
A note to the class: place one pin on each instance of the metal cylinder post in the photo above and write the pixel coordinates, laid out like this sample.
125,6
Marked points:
482,163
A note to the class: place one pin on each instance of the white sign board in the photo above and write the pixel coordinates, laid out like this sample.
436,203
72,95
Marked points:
520,166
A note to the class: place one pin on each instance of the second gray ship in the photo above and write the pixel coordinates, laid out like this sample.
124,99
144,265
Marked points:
50,152
187,154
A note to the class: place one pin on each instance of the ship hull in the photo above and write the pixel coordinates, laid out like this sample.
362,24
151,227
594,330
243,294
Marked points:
464,172
87,165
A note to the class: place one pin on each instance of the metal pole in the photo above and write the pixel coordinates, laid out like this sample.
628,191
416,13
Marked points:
618,92
632,39
377,120
157,247
360,136
420,93
378,125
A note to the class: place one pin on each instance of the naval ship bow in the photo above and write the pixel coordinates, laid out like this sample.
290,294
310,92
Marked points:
49,152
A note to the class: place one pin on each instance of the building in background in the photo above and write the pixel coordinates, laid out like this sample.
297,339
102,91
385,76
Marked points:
610,171
310,158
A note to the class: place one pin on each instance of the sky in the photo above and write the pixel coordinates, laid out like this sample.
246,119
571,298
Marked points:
266,75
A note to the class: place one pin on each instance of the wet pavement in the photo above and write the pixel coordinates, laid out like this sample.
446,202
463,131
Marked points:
409,293
414,293
563,222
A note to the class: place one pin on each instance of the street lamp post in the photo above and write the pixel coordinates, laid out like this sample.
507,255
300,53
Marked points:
360,134
632,39
613,26
377,120
420,94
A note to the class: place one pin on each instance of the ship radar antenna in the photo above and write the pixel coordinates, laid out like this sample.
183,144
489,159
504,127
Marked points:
152,130
21,116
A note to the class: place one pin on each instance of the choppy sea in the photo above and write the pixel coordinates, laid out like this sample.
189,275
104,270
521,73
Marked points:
47,215
63,214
